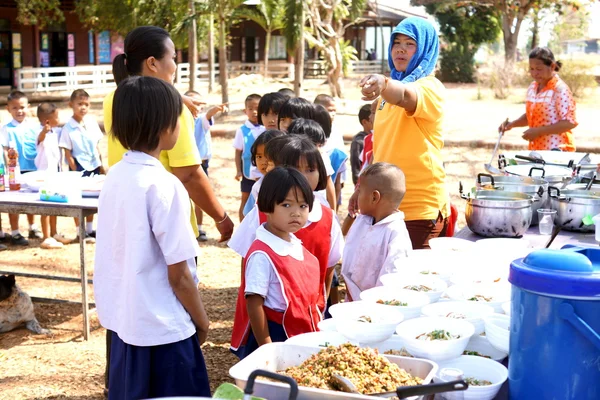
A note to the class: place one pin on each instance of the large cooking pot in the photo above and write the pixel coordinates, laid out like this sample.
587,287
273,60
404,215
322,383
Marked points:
496,213
550,173
522,184
572,206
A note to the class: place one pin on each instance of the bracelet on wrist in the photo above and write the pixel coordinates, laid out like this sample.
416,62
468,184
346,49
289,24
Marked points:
224,219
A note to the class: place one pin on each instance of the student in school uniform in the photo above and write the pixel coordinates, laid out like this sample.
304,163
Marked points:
145,280
280,290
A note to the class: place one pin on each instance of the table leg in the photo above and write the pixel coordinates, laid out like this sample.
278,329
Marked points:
84,279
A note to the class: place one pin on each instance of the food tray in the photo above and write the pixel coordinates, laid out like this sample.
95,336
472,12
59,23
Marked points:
279,356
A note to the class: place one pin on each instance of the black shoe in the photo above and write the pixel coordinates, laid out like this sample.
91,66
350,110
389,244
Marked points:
202,237
35,234
91,234
19,240
87,238
5,238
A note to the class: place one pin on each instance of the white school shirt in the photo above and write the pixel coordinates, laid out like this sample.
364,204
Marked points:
48,156
373,250
82,139
244,235
335,141
238,144
262,277
143,227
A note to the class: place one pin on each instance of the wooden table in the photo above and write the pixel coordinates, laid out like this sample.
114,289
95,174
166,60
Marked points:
538,241
29,203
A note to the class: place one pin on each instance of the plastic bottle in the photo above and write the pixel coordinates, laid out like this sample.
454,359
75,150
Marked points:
2,187
13,167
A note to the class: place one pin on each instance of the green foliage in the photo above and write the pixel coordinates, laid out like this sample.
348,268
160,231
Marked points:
294,23
268,14
457,64
39,12
466,24
576,74
349,54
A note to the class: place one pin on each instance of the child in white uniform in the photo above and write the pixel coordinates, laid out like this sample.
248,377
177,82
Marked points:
378,239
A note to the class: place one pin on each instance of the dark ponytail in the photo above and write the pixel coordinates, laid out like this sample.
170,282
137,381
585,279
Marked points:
140,44
545,55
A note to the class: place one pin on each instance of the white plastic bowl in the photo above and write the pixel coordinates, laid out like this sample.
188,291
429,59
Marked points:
474,312
482,345
319,339
478,274
502,245
440,264
415,300
384,321
436,350
498,292
401,280
450,244
327,325
506,307
478,368
497,331
393,343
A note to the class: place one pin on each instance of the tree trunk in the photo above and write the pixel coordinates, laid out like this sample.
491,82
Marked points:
223,55
267,48
334,58
211,53
510,37
535,31
193,47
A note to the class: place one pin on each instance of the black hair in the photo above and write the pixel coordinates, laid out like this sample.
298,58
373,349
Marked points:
251,97
546,56
16,95
270,102
140,44
364,113
192,92
143,109
277,184
45,110
324,99
293,148
324,119
7,283
296,107
263,139
287,92
309,128
77,93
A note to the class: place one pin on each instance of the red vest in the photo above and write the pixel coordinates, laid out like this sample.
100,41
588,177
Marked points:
301,289
315,238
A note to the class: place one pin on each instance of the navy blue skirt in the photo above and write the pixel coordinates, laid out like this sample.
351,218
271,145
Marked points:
174,369
276,332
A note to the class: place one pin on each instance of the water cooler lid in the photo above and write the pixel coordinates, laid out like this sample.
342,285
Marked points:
569,272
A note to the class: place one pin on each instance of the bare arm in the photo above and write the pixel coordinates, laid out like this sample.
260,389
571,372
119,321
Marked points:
201,192
215,110
328,280
554,129
330,193
392,91
258,318
508,125
238,164
194,105
347,224
70,160
185,290
338,190
42,135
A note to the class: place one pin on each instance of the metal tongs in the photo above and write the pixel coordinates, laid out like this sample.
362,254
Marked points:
404,392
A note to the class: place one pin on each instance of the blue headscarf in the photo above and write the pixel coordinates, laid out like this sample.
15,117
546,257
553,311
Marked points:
425,58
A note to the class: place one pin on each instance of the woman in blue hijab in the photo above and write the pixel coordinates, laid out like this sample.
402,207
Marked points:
408,127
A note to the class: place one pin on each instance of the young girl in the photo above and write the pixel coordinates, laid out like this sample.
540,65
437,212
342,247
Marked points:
145,277
322,235
280,290
292,109
268,109
260,161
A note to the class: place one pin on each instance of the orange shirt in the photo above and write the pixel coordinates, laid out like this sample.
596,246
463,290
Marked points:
414,143
552,104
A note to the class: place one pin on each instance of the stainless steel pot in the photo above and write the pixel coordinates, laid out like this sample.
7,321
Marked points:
535,187
498,213
572,206
550,173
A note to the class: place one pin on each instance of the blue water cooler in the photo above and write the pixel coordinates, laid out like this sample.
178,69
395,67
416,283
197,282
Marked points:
555,325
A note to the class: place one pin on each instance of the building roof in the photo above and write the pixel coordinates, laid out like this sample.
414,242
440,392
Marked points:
394,10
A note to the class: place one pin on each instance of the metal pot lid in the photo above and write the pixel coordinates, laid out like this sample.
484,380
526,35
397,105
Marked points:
576,196
547,172
487,180
499,199
582,186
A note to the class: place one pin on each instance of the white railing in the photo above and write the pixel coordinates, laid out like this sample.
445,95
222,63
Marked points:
318,68
65,79
276,69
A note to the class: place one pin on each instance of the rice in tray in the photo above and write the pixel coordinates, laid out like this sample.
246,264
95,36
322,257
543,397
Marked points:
368,371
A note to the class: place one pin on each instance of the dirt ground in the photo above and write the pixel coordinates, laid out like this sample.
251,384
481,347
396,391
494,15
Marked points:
62,365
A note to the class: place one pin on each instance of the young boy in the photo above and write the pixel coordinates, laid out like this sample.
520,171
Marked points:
336,139
48,159
378,239
79,139
145,280
204,143
243,141
21,134
358,142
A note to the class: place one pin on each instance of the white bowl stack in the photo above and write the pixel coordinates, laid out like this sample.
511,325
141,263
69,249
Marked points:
497,330
471,312
498,293
384,320
405,281
414,300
